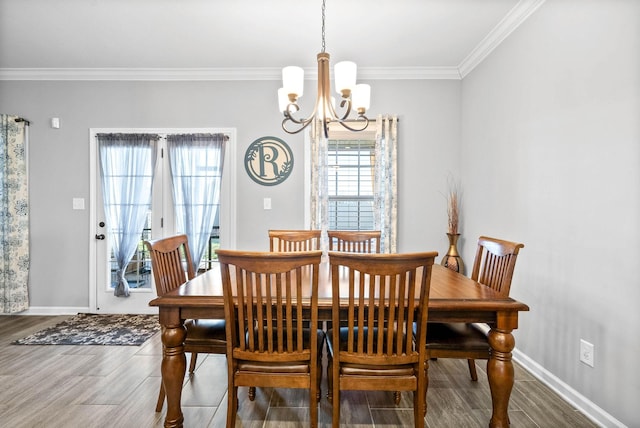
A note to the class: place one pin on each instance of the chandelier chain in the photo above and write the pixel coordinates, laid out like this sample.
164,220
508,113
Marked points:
323,8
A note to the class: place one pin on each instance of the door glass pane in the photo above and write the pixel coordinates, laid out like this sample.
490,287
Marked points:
210,257
138,271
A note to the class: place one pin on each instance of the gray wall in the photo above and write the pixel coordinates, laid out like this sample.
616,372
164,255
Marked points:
59,161
544,135
551,157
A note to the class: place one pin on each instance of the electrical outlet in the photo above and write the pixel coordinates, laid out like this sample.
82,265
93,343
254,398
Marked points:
586,352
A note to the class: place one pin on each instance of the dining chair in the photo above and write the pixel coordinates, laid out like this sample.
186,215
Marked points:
290,240
354,241
271,312
493,266
171,264
383,296
294,240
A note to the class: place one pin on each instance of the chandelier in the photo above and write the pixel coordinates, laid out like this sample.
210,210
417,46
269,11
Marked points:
354,96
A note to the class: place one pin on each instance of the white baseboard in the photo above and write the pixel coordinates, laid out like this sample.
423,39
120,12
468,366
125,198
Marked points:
54,310
570,395
71,310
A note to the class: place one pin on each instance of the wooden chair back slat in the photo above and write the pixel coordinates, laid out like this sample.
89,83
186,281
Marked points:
294,240
384,294
494,263
354,241
171,262
264,297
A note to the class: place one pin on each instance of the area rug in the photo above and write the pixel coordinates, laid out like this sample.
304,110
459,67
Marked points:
94,329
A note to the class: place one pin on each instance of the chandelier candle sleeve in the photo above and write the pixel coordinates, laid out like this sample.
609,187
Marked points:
345,77
361,97
293,82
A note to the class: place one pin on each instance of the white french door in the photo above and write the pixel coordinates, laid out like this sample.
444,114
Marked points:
160,223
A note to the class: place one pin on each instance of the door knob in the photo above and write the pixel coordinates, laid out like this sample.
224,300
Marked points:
100,236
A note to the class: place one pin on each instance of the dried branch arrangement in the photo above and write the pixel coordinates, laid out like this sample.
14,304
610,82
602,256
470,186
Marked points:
453,207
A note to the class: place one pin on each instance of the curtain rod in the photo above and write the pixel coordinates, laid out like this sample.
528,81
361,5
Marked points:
22,119
162,134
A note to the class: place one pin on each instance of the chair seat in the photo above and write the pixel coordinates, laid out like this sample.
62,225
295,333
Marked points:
205,332
365,369
456,336
282,366
373,370
272,367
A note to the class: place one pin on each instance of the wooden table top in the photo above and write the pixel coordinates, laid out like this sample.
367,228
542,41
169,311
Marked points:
450,291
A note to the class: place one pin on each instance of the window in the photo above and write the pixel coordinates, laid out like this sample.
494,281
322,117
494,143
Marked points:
350,168
351,179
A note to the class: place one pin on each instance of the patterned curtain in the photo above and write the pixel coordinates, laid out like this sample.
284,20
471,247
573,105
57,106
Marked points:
14,215
319,184
385,182
385,187
127,166
196,173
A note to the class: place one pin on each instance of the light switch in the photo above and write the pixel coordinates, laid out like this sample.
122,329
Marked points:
267,203
78,203
55,122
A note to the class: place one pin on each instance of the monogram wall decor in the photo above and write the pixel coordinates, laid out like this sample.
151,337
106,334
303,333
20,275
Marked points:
268,161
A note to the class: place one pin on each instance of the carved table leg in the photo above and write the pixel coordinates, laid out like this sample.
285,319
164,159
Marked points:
174,364
500,374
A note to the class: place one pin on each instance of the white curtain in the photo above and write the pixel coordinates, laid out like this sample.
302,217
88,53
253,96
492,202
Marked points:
14,215
385,182
127,166
196,172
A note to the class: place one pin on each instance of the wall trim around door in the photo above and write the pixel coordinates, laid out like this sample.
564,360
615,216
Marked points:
228,197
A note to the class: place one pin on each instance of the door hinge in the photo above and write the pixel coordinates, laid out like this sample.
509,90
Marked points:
162,222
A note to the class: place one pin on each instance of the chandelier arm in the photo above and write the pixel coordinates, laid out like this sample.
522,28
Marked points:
289,115
347,111
304,124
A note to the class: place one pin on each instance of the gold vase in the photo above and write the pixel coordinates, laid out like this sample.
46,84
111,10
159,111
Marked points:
452,259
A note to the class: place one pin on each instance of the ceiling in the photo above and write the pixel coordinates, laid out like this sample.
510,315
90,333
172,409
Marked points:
250,38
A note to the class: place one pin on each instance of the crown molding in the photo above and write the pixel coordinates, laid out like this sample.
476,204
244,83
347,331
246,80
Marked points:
137,74
408,73
516,16
509,23
200,74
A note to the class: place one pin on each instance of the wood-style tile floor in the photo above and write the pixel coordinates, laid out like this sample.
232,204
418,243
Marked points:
117,386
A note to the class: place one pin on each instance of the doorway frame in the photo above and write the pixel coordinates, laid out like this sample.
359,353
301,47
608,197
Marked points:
228,194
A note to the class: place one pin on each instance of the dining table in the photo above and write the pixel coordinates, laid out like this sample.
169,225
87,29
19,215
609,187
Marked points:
453,297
